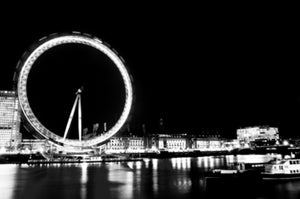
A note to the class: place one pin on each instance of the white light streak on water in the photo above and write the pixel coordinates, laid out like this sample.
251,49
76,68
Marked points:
146,160
84,179
138,165
138,176
124,178
154,175
205,162
154,164
255,158
174,164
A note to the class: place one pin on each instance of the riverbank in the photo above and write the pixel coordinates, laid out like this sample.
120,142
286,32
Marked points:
18,158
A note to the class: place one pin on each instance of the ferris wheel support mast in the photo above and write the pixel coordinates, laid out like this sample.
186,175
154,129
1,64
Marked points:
77,102
79,115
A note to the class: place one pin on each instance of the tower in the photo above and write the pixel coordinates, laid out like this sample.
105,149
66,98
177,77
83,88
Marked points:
161,126
10,119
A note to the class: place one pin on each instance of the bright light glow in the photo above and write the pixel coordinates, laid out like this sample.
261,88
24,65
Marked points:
181,163
130,165
138,165
8,174
254,158
285,143
27,64
155,175
84,179
174,163
146,160
154,164
205,162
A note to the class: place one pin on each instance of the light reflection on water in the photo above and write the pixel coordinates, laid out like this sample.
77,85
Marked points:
7,180
254,158
84,180
152,178
155,175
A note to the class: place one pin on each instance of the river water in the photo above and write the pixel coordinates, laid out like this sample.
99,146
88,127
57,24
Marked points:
152,178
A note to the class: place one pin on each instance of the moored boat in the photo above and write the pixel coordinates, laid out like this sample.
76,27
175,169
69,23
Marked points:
285,169
237,171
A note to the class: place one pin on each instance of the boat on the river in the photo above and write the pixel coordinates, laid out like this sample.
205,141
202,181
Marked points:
284,169
236,171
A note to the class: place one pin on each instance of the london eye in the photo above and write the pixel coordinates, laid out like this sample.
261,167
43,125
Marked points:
38,129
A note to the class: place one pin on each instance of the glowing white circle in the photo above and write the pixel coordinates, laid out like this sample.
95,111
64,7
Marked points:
77,38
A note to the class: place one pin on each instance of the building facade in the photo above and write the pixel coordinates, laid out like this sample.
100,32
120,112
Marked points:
115,144
10,118
210,144
125,144
172,143
167,142
249,135
34,145
136,144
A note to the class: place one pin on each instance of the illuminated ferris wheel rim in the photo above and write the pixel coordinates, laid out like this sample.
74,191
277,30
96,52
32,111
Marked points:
47,43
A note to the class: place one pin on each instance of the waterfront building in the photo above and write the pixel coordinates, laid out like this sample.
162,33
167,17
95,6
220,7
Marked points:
251,135
125,144
209,144
230,144
172,142
10,118
136,144
34,146
116,145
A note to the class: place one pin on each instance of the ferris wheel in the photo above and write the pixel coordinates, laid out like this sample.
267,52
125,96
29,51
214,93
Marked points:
21,76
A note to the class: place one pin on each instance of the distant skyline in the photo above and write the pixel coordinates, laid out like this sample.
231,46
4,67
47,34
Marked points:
200,74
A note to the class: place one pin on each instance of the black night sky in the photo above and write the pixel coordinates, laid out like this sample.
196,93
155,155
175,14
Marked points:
199,71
